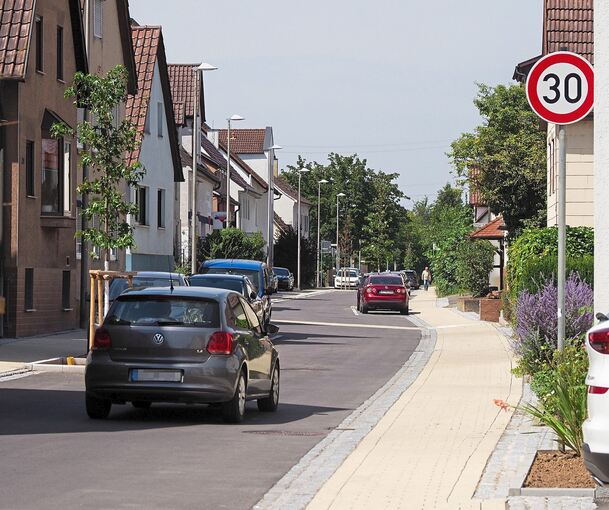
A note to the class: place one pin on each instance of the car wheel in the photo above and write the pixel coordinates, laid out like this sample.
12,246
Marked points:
97,408
404,311
233,411
141,404
270,403
364,309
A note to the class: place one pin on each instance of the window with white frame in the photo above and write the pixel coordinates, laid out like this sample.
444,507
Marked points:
160,208
159,119
98,18
141,200
67,180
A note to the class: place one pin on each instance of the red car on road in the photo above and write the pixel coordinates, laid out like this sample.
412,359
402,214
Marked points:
384,292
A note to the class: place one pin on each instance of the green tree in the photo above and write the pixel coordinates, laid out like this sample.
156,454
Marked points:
105,144
508,149
286,255
232,243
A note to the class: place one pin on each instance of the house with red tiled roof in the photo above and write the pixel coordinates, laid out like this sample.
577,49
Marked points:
151,113
568,24
494,231
42,45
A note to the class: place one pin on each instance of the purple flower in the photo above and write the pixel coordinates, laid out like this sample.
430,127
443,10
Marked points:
536,317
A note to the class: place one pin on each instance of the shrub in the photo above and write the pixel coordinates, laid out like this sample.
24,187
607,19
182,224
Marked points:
475,260
232,243
536,321
537,271
539,243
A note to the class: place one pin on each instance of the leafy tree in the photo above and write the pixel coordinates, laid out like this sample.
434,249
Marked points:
508,148
475,260
286,255
104,147
232,243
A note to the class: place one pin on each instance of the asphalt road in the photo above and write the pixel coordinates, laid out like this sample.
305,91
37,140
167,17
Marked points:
52,456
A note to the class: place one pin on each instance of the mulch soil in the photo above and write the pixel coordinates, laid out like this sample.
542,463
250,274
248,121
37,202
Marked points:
558,470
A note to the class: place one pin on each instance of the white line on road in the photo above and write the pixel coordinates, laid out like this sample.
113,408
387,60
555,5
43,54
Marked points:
341,325
354,310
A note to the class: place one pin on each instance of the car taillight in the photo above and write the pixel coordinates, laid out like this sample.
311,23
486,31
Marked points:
597,390
401,290
371,290
599,341
102,339
220,342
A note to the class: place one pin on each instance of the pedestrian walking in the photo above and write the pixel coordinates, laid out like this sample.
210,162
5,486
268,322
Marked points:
426,277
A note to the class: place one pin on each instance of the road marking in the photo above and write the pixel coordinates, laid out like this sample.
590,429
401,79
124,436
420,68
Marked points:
354,310
342,325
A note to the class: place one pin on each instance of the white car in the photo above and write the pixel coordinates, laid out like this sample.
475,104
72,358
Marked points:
346,278
596,427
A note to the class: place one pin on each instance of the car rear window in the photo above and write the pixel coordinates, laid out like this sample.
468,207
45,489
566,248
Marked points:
217,283
163,311
119,285
385,280
252,274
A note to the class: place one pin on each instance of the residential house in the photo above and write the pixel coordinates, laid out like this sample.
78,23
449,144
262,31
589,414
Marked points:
494,231
151,112
287,208
209,167
568,24
42,45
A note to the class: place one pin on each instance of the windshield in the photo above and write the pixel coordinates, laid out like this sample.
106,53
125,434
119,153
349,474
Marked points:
252,274
281,271
217,283
119,285
385,280
161,311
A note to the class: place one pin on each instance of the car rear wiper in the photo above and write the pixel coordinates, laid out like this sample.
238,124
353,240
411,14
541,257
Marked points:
169,323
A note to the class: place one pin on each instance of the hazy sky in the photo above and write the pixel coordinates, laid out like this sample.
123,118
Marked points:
390,80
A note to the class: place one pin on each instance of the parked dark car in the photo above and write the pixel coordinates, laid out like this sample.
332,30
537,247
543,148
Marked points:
258,273
234,282
384,292
285,278
413,278
183,345
145,279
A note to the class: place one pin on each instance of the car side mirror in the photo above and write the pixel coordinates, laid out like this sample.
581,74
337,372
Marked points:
271,329
253,296
601,317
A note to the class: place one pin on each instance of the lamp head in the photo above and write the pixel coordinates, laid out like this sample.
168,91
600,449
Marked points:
303,170
323,181
236,117
275,147
341,195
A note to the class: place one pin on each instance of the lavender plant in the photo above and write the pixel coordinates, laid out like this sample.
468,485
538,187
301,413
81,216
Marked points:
536,321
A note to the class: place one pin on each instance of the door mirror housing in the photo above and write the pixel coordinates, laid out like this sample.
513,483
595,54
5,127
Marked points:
601,317
253,296
271,329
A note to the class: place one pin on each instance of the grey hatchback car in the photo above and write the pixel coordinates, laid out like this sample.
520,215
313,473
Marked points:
182,344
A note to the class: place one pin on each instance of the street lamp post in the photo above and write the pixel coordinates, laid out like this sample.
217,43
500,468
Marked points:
230,119
196,148
319,183
300,172
271,209
338,197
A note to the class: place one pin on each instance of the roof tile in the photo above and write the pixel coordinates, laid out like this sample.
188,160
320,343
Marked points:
244,141
15,27
493,230
569,23
181,78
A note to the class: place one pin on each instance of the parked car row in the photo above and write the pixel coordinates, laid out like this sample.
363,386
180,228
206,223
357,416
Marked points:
203,341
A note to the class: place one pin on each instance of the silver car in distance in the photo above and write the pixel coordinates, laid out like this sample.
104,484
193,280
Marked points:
182,344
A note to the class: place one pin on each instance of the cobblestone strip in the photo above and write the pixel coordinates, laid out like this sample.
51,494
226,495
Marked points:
565,503
299,485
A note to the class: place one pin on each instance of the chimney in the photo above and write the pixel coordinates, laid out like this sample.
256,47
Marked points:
213,137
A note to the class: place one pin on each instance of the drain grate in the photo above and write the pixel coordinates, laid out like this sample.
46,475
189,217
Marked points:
283,433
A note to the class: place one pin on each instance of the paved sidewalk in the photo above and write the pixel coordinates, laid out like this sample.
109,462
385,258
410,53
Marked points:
432,446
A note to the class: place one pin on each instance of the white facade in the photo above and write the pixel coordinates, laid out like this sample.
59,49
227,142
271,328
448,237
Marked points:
154,233
287,209
601,155
580,174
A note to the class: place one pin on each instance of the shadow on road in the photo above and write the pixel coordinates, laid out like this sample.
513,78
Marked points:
37,411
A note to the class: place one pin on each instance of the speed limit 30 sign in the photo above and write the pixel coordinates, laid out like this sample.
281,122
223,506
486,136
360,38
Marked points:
560,88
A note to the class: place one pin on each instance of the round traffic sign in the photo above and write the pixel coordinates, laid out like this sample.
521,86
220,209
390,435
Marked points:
560,87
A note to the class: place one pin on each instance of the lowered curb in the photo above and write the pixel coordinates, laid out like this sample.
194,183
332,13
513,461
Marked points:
549,492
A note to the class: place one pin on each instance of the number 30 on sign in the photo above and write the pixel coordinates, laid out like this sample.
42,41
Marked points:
560,88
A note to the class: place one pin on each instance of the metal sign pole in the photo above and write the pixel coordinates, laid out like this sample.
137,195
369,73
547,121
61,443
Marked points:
562,232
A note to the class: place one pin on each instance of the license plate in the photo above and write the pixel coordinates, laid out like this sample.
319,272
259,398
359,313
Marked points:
147,375
385,292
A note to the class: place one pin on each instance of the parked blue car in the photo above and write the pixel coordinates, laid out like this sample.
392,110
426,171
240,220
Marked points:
258,273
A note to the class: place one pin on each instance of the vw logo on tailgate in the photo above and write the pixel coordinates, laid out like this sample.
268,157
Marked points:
158,339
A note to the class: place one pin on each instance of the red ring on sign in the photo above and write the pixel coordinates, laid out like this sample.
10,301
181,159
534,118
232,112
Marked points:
560,57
